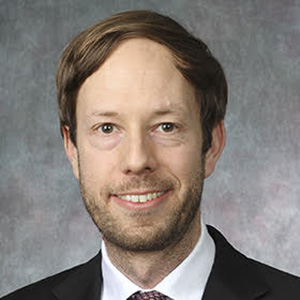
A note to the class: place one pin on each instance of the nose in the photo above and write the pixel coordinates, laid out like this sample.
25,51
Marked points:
138,155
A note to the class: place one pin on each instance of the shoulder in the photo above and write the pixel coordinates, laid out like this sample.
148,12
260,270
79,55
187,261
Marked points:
45,288
234,273
280,282
41,289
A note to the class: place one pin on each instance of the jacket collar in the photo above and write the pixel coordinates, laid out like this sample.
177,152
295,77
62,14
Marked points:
233,275
83,282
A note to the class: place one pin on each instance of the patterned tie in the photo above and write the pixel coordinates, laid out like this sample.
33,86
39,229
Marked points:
152,295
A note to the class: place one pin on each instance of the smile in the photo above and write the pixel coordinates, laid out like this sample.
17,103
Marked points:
140,198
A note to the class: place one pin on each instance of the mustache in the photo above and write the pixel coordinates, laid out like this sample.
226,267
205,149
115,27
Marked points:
142,183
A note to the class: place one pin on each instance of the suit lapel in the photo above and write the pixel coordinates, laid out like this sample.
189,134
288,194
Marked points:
83,283
233,275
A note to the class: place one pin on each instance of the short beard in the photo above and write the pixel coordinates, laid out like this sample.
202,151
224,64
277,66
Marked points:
177,223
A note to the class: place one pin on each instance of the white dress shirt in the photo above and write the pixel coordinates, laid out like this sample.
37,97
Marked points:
186,282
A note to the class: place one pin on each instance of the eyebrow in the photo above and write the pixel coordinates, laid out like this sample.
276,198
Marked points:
174,110
104,114
163,111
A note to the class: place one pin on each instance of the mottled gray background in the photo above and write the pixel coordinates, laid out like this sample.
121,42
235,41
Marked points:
253,197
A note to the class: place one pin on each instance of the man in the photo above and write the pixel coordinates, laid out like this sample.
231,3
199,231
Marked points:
141,107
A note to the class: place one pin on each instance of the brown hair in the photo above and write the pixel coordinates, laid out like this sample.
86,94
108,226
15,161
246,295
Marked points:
89,50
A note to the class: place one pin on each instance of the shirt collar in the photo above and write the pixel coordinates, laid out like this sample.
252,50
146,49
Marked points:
177,285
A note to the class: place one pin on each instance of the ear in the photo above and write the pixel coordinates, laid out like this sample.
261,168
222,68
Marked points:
217,146
71,151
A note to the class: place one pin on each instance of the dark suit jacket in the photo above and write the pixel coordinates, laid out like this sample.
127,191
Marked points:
233,277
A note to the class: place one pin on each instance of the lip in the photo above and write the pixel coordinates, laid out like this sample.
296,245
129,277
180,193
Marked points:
129,205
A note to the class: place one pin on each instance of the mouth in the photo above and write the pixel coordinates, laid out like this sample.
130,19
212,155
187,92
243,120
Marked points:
141,198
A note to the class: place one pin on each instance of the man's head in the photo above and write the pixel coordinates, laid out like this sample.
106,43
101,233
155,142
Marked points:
89,50
132,129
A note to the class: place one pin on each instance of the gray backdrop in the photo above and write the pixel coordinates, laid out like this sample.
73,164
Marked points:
253,197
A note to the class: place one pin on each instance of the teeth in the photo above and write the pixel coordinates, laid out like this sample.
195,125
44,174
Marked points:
140,198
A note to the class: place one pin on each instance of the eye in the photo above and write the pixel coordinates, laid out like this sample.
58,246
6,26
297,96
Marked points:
167,127
106,128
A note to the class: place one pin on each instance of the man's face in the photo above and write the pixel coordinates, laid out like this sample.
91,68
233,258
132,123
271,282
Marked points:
138,155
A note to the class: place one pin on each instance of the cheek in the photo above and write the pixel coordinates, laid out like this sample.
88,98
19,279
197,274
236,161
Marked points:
95,164
184,162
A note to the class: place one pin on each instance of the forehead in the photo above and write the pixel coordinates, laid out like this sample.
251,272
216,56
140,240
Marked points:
138,69
140,52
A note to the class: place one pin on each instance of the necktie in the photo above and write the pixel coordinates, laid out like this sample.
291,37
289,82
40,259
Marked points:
152,295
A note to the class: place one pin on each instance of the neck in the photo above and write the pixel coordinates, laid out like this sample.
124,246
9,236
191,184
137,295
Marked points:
147,269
